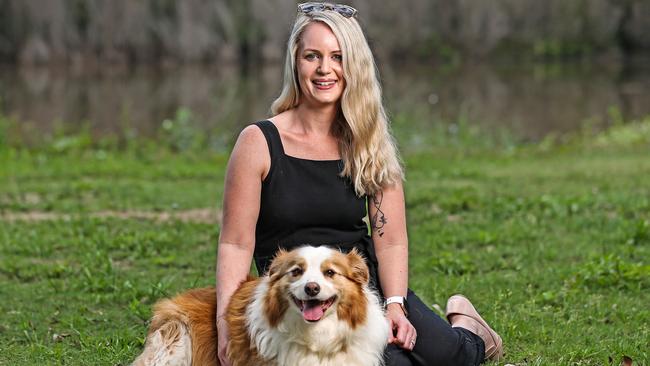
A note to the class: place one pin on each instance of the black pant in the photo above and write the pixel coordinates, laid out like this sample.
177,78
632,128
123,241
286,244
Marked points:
437,342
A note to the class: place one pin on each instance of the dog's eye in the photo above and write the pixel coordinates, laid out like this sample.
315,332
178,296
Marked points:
330,273
296,272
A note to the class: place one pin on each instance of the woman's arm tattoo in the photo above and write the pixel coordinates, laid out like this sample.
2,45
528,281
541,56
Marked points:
378,220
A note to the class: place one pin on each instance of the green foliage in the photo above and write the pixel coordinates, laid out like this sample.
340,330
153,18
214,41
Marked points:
640,233
456,263
461,135
181,136
5,126
63,143
622,134
561,49
612,271
181,133
184,134
3,132
635,133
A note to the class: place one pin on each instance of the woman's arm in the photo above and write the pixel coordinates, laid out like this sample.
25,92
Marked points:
388,223
247,168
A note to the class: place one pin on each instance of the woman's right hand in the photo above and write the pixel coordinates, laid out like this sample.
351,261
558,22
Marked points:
223,337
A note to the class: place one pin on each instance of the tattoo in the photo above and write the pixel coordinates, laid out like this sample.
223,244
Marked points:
378,220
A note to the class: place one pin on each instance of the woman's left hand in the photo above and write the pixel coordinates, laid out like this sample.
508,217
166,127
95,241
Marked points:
403,333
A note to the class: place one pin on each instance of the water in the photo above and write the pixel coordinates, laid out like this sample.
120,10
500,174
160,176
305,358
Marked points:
527,101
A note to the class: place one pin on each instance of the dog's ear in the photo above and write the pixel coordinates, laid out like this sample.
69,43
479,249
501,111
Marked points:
358,268
279,262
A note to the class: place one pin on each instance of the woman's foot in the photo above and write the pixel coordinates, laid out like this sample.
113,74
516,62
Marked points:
461,313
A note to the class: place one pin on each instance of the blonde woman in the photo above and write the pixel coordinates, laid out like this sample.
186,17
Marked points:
312,172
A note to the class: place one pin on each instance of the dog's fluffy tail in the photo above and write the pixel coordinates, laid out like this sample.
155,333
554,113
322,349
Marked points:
175,324
168,341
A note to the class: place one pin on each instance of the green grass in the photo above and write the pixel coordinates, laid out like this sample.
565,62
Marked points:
551,241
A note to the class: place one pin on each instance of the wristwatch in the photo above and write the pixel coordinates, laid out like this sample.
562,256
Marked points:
401,300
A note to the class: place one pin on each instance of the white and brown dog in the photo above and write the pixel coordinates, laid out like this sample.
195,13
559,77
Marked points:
313,308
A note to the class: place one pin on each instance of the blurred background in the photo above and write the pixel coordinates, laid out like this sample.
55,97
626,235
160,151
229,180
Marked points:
199,70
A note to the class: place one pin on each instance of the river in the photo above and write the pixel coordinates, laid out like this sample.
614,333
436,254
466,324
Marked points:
528,101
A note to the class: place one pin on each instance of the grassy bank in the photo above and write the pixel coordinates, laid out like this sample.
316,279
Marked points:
550,240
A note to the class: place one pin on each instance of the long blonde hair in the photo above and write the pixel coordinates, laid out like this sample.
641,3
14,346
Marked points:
368,150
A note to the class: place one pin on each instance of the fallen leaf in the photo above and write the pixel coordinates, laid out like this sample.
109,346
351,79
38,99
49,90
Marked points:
454,218
59,337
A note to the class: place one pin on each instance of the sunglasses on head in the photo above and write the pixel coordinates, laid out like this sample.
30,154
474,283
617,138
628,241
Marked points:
344,10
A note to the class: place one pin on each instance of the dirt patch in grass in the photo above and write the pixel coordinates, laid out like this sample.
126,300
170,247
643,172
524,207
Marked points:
198,215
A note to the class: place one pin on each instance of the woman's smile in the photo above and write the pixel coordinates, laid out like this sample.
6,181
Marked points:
324,84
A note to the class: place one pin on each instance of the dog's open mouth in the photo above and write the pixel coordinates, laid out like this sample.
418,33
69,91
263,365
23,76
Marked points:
313,310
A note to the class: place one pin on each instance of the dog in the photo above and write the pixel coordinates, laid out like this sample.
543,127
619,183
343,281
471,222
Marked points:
313,307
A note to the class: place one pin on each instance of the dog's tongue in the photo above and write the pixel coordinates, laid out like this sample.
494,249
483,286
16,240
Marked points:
312,310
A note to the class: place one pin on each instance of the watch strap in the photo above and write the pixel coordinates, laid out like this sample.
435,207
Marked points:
395,299
401,300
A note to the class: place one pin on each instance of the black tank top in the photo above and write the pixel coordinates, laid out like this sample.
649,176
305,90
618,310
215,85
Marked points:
307,202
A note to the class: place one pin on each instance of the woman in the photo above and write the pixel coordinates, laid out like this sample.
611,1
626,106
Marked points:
307,174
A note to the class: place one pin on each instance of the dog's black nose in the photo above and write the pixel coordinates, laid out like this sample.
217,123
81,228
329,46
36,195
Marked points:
312,288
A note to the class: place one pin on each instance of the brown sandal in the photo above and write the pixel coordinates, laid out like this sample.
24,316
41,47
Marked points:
466,316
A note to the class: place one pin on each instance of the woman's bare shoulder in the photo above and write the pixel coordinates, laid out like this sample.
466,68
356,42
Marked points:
251,151
250,136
